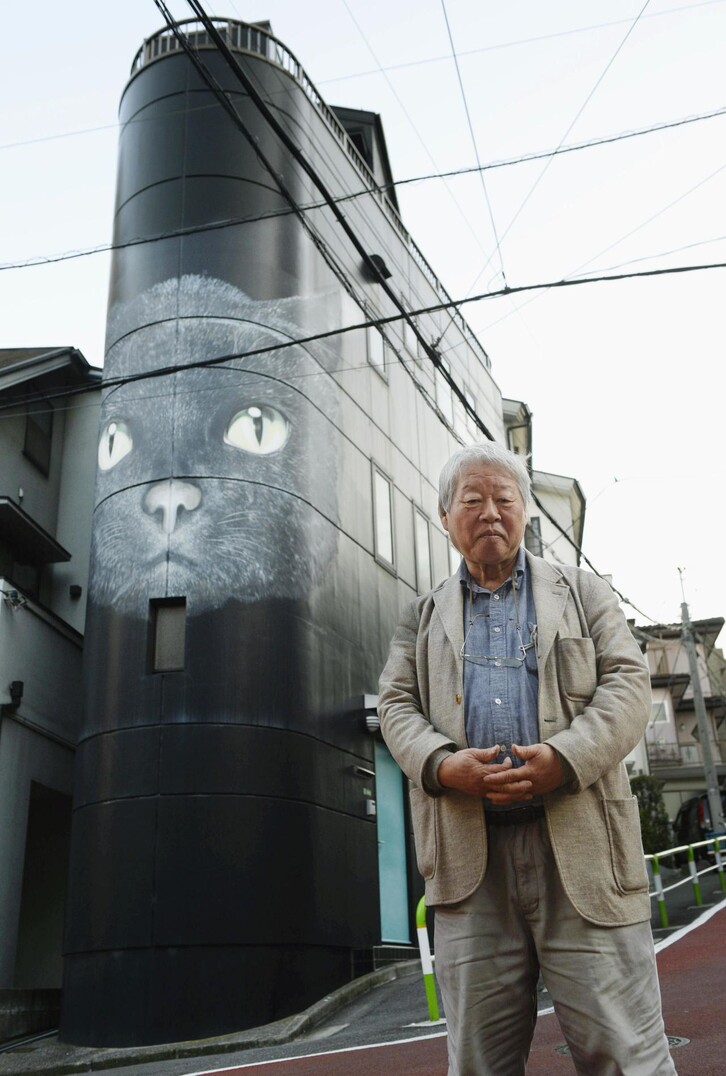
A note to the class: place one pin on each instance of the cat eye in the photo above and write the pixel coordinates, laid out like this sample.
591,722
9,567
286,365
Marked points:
115,443
259,429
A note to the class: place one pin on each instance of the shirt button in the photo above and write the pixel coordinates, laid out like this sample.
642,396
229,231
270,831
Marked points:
496,597
498,702
497,629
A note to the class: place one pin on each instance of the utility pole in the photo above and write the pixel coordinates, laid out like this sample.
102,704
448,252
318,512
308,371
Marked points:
714,794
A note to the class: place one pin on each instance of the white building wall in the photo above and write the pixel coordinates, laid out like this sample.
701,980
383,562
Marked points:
555,495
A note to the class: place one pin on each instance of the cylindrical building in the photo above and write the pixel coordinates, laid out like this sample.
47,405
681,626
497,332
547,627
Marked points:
259,513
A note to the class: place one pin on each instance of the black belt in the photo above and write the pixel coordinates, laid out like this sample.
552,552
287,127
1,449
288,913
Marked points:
516,816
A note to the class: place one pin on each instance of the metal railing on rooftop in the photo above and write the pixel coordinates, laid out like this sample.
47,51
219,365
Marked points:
247,38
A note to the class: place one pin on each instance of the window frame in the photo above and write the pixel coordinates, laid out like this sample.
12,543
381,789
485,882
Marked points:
377,472
382,368
156,606
420,515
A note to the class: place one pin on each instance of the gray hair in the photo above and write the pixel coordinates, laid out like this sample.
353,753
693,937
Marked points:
488,454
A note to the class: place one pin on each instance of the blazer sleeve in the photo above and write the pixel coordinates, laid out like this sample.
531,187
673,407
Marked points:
406,727
614,719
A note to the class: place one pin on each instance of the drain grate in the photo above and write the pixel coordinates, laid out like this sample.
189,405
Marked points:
674,1041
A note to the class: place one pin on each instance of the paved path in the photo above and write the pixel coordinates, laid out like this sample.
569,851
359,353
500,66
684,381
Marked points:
692,968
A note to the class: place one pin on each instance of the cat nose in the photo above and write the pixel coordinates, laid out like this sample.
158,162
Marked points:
168,498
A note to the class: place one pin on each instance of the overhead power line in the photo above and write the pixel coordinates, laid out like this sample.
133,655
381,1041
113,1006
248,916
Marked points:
472,135
423,142
378,322
497,46
572,123
102,248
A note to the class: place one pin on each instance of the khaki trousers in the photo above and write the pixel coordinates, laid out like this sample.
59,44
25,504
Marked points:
489,952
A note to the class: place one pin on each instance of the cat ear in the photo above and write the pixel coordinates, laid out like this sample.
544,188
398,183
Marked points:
317,312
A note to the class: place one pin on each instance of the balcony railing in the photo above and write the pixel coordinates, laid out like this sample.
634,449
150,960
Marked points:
674,754
242,37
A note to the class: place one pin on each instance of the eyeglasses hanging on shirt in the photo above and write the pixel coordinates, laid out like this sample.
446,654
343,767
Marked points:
497,660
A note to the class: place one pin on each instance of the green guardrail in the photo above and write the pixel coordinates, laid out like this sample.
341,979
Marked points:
693,873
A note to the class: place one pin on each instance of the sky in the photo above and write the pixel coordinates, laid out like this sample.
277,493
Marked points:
625,379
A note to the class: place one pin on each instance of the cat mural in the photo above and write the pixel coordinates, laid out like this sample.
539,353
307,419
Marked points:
215,482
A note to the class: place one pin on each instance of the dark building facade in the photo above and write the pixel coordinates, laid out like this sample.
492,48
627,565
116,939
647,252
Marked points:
265,502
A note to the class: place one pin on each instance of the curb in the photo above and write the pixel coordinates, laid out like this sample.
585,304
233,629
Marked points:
59,1059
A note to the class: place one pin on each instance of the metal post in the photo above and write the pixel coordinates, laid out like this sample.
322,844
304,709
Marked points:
658,881
694,877
719,863
714,795
427,966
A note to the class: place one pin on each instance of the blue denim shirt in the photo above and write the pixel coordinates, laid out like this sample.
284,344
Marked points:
500,702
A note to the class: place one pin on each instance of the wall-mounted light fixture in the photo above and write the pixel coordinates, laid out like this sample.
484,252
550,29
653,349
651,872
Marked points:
377,268
75,590
370,712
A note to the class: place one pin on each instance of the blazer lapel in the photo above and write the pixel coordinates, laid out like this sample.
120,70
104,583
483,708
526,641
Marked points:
550,592
449,605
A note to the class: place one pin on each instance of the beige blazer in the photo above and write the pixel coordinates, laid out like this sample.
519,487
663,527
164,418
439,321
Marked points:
594,704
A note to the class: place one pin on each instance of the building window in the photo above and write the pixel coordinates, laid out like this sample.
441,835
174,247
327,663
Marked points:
661,662
454,558
168,634
383,517
422,545
658,713
39,434
533,536
470,421
376,348
444,397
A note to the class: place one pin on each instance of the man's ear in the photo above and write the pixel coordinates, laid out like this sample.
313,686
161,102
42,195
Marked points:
444,517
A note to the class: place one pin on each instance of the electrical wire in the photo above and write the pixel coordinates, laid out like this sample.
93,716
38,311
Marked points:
102,248
378,322
479,169
414,128
576,117
518,43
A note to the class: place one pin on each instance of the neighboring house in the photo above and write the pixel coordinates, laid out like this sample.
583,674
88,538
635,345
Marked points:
672,738
47,465
557,519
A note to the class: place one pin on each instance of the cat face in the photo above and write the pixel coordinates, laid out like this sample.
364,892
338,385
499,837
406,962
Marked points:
215,484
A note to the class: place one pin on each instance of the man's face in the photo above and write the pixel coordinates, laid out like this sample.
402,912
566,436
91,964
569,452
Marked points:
486,519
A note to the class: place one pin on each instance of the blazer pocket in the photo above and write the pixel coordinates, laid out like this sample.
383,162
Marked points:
423,816
576,668
626,847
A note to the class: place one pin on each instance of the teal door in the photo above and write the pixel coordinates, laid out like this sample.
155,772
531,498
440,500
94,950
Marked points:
392,880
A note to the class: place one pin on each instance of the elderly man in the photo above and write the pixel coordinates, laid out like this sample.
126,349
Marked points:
511,695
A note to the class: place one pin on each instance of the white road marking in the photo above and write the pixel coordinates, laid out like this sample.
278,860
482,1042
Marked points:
326,1053
678,934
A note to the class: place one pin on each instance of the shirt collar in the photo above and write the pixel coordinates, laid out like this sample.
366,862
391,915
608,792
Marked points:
519,573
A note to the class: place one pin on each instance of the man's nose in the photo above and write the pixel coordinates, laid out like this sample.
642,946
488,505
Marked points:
489,510
168,498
